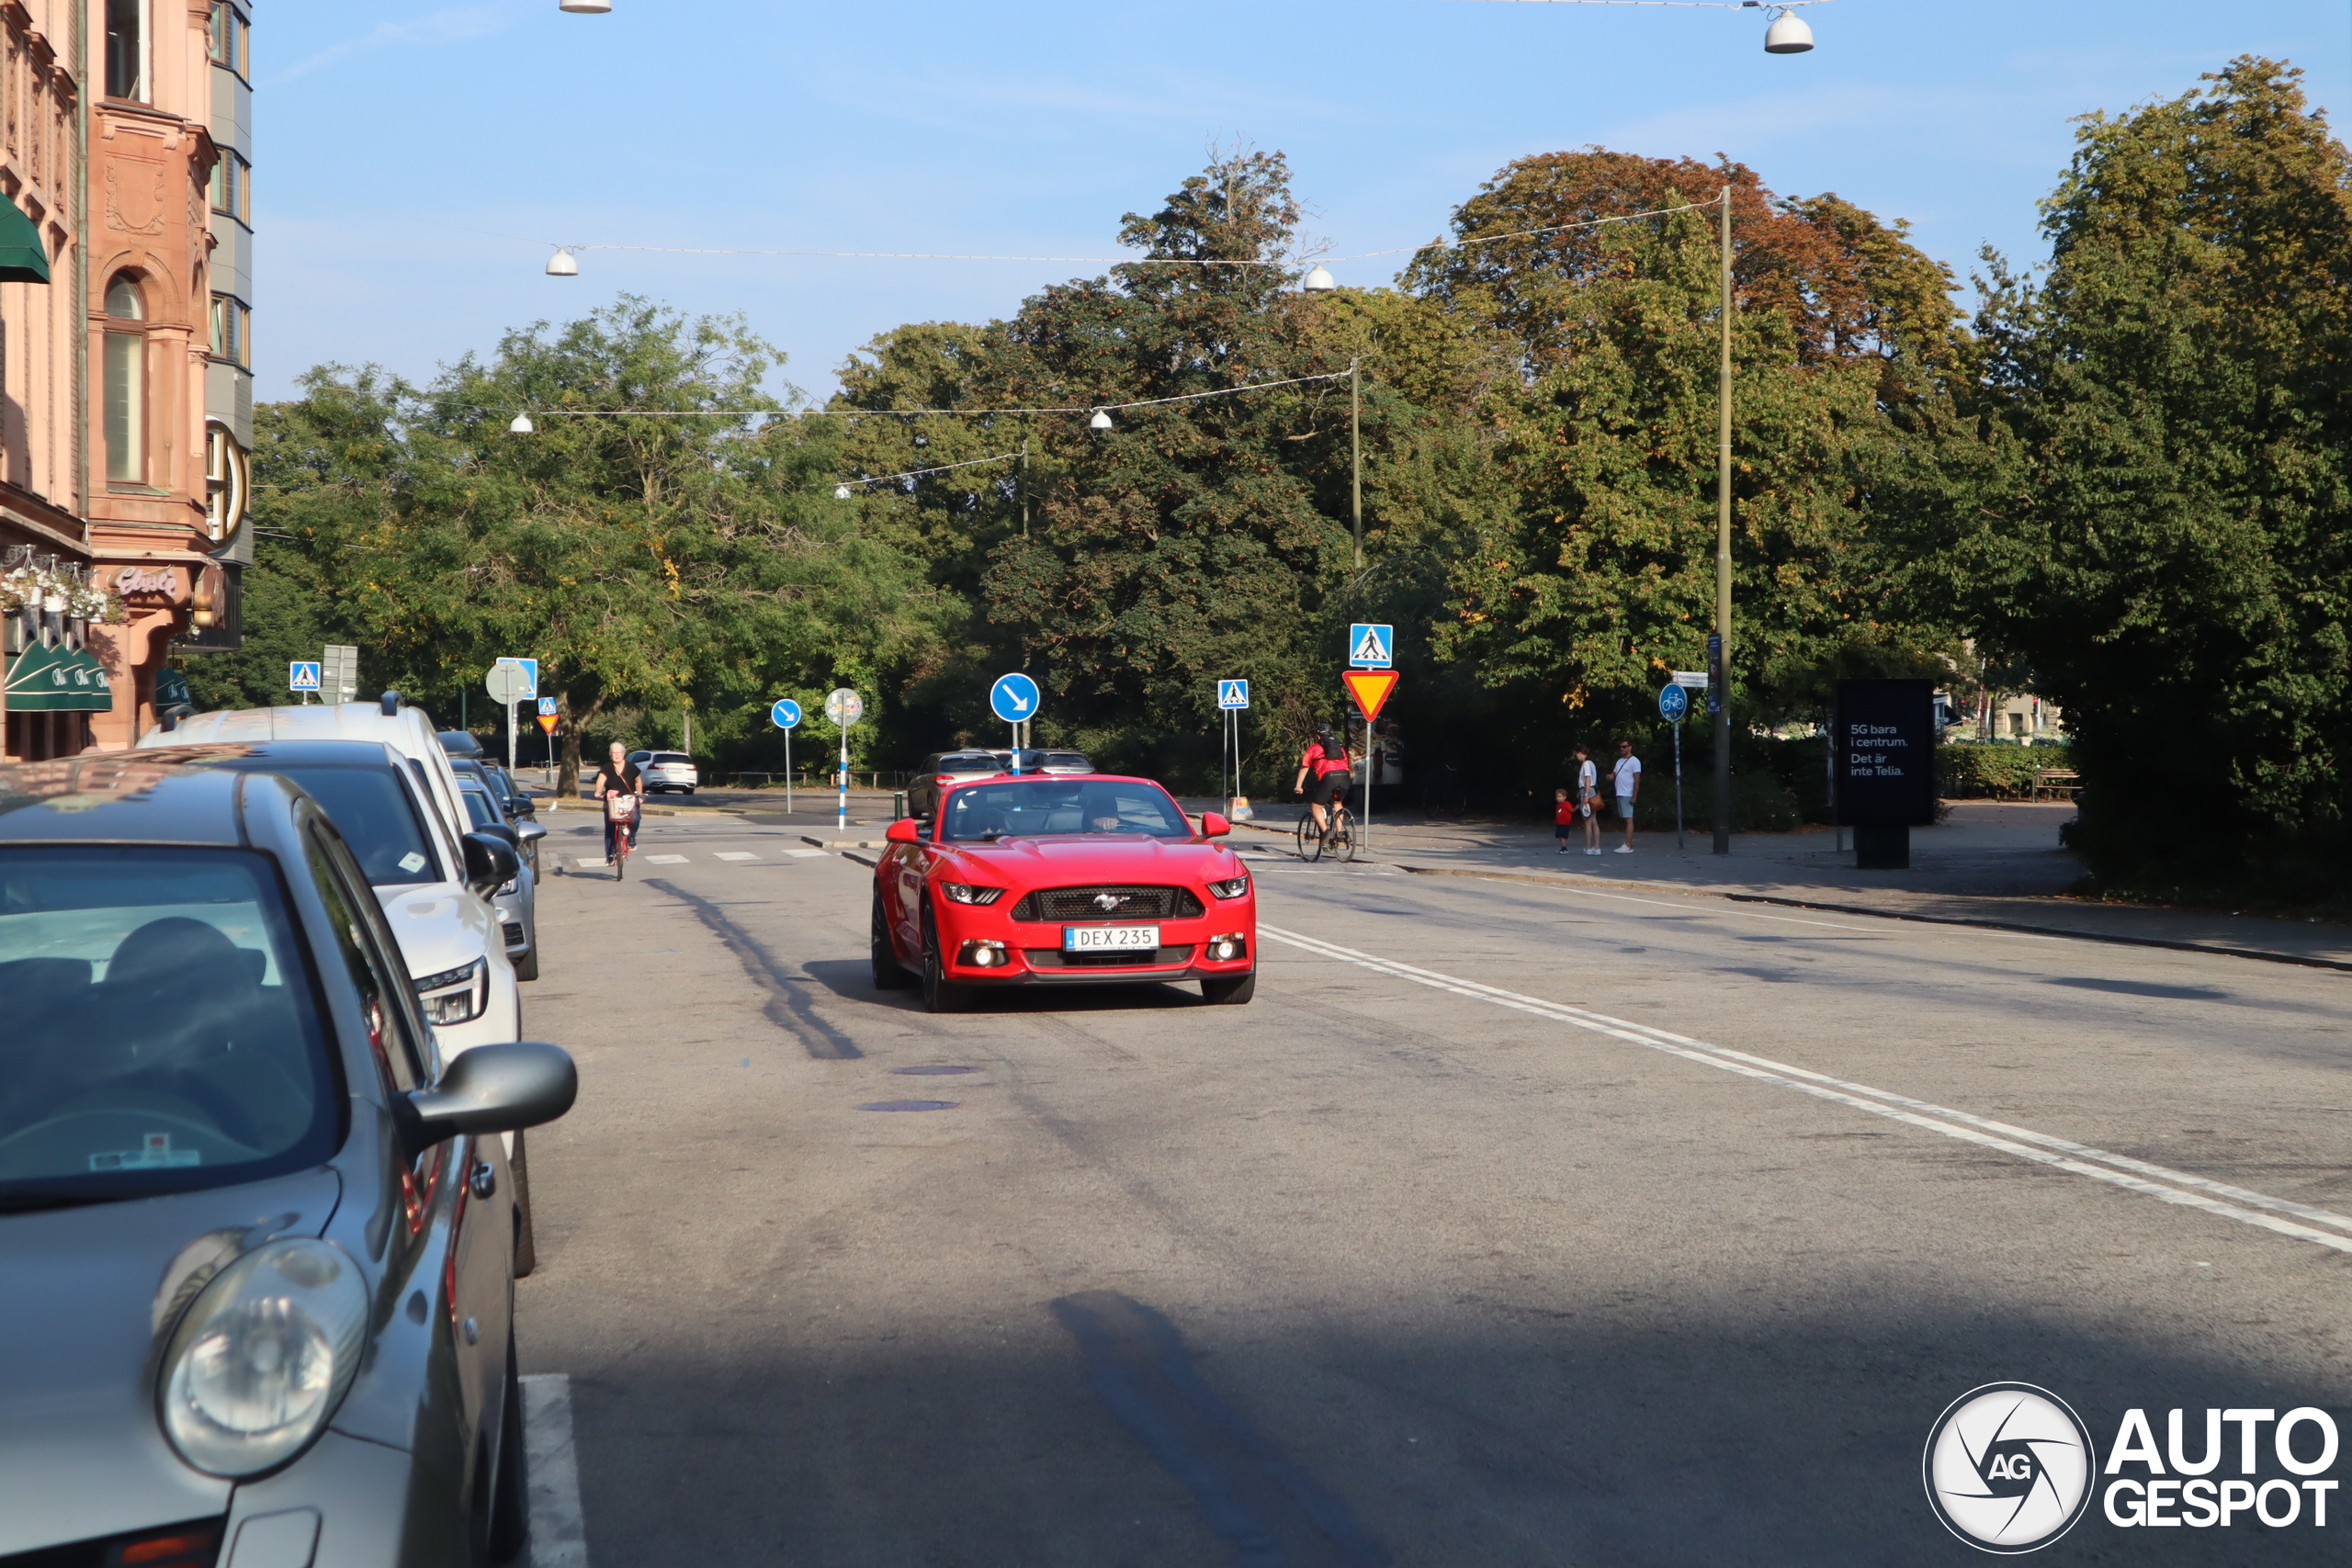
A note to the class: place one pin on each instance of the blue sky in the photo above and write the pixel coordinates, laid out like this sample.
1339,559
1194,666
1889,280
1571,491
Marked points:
410,158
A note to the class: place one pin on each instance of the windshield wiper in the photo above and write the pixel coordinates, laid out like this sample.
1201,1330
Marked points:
34,1203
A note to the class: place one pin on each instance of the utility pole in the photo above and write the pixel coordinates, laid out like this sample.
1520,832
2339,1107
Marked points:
1022,484
1722,685
1355,454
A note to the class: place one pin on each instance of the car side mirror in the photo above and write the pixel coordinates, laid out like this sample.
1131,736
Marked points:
529,832
905,830
493,1088
1213,825
522,806
490,863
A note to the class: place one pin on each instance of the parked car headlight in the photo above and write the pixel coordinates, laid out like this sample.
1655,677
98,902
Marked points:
1232,887
456,996
263,1358
965,893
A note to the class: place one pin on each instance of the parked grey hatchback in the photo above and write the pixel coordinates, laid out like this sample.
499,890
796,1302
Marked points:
259,1242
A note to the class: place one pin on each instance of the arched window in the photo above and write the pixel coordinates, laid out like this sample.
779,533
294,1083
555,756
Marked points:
125,379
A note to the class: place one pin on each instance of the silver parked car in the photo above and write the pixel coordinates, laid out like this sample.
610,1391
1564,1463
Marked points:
259,1240
517,902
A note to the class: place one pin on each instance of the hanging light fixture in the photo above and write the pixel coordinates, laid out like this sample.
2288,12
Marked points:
521,425
1102,421
1319,281
841,492
584,7
1788,35
561,264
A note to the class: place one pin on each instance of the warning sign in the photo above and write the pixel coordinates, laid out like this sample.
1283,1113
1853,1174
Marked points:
1370,688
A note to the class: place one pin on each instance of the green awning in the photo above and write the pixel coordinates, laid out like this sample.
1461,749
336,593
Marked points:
23,258
57,679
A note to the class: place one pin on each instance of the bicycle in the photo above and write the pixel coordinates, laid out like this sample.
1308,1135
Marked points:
621,822
1336,838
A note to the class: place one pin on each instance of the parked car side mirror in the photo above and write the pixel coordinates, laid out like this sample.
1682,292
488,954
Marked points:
490,863
905,830
493,1088
521,805
1213,825
529,832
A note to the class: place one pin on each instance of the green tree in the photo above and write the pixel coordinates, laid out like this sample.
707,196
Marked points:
2168,551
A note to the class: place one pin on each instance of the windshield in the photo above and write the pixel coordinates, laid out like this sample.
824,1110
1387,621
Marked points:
374,815
160,1033
1031,807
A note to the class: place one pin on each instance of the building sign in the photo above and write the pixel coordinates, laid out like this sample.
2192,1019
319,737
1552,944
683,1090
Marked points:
151,583
1883,736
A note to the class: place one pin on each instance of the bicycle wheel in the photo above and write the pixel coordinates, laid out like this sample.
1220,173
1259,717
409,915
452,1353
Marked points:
1308,839
1343,839
1318,844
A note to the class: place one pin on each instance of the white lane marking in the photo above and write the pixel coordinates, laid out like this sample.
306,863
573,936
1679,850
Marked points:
804,854
732,854
2122,1170
559,1532
590,859
665,860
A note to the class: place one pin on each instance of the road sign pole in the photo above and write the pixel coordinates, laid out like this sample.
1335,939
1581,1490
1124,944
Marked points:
843,780
788,773
509,739
1678,786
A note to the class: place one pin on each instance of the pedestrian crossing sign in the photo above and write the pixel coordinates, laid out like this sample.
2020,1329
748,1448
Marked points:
1371,647
1233,693
546,707
302,675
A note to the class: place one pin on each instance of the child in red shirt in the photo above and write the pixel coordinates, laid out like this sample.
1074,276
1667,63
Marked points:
1563,816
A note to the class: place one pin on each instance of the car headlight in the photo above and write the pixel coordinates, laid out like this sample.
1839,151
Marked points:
263,1358
1232,887
456,996
965,893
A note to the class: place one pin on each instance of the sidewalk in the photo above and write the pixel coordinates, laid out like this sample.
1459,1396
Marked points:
1993,863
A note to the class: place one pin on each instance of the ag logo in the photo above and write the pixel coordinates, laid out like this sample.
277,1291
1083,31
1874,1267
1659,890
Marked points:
2008,1468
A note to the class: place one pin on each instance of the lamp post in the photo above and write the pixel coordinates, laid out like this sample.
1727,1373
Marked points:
1721,687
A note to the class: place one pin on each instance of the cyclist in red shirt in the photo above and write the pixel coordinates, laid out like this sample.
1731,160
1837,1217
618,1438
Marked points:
1326,759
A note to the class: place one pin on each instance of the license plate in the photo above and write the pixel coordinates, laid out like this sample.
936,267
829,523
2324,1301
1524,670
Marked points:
1110,939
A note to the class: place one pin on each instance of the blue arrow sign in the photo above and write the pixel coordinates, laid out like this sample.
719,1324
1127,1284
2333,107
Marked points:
1673,702
785,715
1233,693
302,675
1371,647
1014,698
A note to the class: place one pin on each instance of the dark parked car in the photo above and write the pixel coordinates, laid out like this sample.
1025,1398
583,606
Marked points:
511,798
259,1241
942,768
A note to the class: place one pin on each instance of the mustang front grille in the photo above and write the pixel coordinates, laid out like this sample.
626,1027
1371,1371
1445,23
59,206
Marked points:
1107,903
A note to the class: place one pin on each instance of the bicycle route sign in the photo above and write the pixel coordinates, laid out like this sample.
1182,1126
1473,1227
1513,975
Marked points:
1673,702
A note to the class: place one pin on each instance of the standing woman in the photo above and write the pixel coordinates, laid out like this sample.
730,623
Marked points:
1588,799
620,776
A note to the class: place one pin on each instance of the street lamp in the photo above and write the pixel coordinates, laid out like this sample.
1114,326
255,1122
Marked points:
1102,421
561,264
1319,281
1788,35
841,492
521,425
584,7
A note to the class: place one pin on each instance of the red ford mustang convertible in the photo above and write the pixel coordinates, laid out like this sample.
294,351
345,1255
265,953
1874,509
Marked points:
1032,879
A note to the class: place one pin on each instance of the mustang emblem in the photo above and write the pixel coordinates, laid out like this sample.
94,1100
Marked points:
1106,902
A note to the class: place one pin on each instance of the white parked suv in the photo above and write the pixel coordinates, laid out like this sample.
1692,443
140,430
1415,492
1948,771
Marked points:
451,936
667,770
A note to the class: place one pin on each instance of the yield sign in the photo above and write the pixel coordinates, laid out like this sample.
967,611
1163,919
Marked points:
1370,688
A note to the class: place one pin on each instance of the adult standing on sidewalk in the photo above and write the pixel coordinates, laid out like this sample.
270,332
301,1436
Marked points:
1588,799
1627,774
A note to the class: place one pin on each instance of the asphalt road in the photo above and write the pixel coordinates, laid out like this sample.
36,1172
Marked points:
1507,1225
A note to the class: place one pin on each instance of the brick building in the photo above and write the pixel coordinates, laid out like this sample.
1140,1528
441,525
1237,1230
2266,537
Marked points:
125,381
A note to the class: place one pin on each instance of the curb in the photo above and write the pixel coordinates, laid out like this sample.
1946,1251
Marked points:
2016,927
862,860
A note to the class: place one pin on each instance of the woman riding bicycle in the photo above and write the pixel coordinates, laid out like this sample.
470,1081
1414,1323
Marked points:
619,777
1326,759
